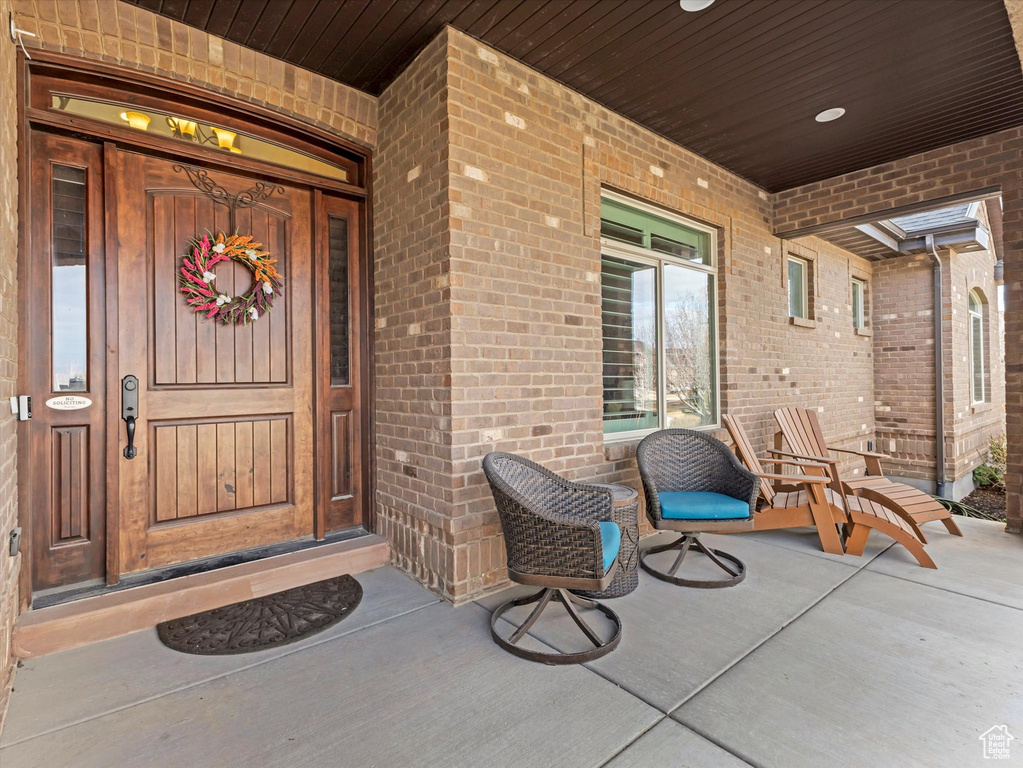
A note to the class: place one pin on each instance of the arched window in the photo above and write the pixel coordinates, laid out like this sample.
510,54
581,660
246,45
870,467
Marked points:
978,379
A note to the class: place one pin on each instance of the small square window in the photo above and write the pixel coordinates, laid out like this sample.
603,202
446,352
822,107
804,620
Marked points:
799,274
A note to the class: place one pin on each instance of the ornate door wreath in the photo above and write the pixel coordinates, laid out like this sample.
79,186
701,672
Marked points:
197,275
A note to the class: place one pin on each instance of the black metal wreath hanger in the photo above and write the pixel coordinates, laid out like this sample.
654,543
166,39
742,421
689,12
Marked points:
254,195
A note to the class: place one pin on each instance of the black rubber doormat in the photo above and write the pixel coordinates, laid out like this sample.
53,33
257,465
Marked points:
265,622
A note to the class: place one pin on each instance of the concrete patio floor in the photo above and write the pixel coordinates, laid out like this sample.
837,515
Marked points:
814,660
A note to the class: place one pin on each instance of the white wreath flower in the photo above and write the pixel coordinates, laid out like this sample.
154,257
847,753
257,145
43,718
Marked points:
251,254
223,299
254,313
208,276
219,248
267,288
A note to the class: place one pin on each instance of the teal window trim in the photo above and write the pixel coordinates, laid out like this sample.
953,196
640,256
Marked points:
641,228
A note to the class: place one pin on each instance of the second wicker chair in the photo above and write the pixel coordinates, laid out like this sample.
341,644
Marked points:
694,484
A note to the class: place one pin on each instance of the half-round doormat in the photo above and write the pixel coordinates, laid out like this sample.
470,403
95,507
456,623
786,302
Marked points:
265,622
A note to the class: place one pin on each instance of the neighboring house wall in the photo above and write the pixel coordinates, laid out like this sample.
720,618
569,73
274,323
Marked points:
521,290
9,567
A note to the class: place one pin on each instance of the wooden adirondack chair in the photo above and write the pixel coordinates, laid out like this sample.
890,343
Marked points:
820,506
802,432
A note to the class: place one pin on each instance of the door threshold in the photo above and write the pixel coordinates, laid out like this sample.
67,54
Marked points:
45,598
120,611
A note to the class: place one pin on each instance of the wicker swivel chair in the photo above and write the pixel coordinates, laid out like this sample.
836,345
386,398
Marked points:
558,536
694,484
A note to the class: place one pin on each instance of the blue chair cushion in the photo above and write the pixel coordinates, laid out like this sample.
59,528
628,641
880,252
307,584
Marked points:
610,541
700,505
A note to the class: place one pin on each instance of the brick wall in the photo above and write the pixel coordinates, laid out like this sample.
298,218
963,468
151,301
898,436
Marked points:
973,426
413,323
512,299
124,34
9,567
970,166
904,369
903,319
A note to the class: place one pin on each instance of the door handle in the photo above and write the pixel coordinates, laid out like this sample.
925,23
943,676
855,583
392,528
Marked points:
130,411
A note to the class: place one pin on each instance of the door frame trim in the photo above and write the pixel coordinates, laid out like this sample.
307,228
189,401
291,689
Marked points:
112,138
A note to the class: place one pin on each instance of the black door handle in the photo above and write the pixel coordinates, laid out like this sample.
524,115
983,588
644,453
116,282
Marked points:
130,411
130,451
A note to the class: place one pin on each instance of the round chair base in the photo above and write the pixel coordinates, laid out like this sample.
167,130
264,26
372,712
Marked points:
683,544
544,598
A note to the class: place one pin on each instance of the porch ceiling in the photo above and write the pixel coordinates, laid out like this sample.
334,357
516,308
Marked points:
739,83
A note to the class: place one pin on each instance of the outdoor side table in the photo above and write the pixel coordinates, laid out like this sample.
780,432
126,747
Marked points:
626,514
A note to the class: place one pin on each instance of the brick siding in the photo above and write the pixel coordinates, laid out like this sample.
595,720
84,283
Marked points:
9,567
413,323
903,325
904,365
973,426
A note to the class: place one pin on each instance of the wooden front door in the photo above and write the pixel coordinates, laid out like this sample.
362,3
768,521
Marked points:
224,431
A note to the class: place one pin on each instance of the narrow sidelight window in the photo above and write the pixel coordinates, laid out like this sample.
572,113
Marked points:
68,286
859,294
798,287
658,302
978,380
337,266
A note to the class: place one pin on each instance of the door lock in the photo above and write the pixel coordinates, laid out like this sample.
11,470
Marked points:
130,411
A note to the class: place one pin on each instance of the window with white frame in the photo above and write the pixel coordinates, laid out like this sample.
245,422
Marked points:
659,303
859,302
799,287
978,380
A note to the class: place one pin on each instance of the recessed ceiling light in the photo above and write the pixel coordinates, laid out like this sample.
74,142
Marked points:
830,114
695,5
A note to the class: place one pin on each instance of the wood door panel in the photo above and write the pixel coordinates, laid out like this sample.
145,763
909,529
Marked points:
232,471
188,349
223,422
69,469
341,454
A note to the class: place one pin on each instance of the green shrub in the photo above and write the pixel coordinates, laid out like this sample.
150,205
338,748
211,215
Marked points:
991,474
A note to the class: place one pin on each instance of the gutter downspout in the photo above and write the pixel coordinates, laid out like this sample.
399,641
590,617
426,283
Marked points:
939,372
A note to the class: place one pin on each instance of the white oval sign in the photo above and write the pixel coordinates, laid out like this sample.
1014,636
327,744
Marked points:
68,402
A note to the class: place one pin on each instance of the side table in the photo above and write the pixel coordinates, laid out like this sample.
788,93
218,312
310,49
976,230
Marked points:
626,514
